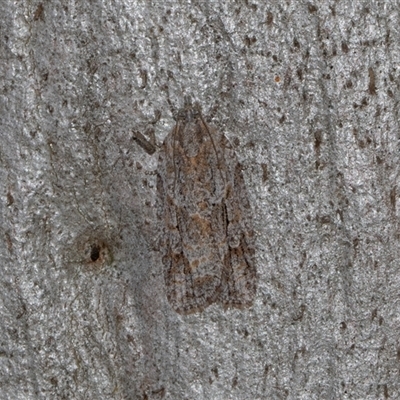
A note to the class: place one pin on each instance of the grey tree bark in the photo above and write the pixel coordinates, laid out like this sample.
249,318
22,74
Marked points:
306,91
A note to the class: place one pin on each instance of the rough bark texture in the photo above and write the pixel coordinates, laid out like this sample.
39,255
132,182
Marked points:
307,92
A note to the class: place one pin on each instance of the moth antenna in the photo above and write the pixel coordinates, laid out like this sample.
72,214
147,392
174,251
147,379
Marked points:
149,145
173,109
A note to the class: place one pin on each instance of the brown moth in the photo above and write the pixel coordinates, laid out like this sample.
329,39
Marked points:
206,225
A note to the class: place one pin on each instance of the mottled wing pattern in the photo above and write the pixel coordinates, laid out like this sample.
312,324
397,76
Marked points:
207,237
239,266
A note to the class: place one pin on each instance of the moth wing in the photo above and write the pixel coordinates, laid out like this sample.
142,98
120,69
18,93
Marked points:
191,284
240,271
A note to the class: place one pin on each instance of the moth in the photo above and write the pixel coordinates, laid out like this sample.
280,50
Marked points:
206,238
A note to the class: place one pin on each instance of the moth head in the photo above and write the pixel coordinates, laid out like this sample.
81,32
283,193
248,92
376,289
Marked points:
196,110
181,116
190,112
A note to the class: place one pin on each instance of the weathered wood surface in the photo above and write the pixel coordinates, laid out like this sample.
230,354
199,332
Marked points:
308,95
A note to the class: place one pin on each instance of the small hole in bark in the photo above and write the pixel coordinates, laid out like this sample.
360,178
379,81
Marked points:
95,253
